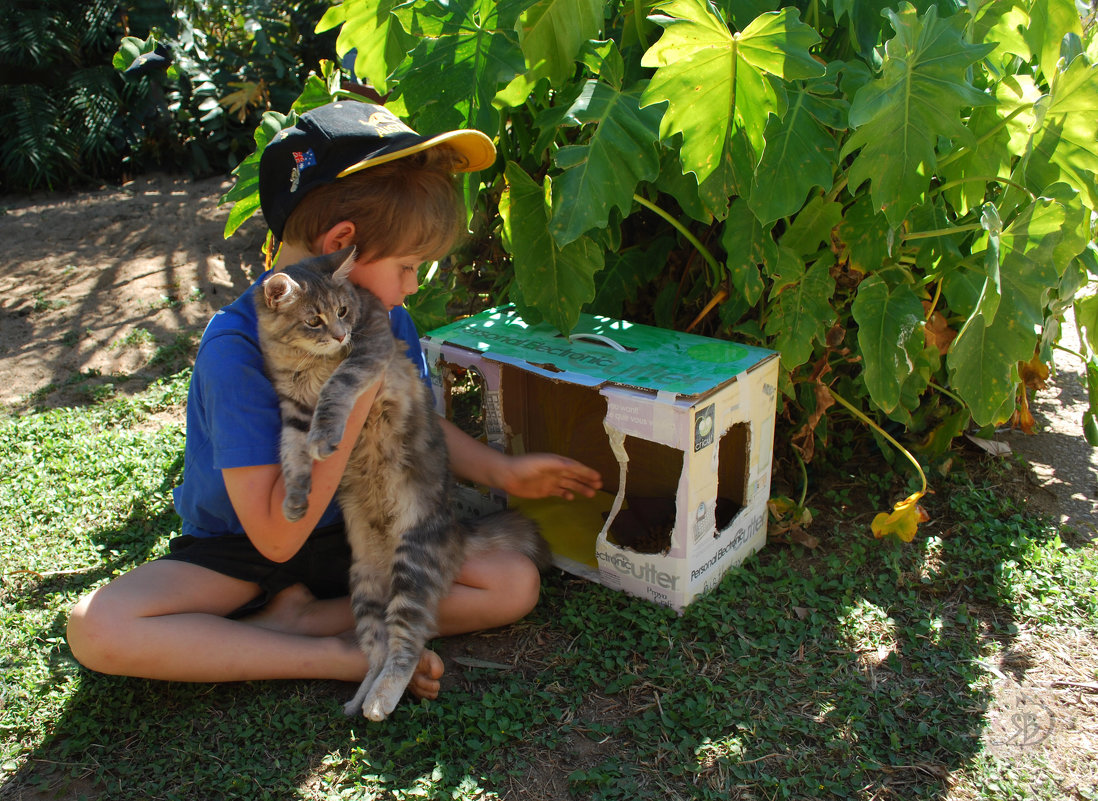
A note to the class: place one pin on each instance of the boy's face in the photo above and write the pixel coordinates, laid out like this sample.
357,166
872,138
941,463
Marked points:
392,279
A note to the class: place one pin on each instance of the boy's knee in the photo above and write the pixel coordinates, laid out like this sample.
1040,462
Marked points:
88,634
525,586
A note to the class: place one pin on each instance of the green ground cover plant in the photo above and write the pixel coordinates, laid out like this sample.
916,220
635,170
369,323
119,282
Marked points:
859,669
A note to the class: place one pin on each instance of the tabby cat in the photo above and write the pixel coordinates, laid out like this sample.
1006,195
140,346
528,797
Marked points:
324,342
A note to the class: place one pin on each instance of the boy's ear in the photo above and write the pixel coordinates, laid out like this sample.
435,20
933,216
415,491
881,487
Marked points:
339,236
280,290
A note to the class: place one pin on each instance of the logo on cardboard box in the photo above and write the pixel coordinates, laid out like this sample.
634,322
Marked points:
644,571
705,422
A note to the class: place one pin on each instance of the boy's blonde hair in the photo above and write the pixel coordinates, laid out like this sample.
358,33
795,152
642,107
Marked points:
409,206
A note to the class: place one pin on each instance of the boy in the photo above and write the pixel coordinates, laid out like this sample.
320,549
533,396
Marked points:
244,593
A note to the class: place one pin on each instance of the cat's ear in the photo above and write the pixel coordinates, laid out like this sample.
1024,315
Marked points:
346,260
280,290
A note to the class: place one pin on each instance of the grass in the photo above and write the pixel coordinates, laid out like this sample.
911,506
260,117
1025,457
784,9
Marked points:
860,669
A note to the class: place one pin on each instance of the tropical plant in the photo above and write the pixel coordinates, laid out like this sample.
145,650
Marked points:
222,65
899,199
58,95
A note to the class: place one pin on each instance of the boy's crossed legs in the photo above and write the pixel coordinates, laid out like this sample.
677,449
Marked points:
166,619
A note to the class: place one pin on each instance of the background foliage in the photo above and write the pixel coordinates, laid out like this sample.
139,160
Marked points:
70,117
896,197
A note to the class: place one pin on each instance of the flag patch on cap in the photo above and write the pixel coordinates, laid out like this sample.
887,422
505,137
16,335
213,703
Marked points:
304,159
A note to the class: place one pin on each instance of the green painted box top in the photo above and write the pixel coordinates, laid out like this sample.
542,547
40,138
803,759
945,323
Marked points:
601,350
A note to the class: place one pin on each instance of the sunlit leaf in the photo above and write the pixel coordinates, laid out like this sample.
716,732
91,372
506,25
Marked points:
715,81
452,76
919,96
370,27
552,33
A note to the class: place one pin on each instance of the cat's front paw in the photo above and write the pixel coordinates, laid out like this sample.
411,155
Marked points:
296,503
320,445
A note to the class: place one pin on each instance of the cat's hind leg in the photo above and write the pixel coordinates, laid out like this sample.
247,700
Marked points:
424,567
369,599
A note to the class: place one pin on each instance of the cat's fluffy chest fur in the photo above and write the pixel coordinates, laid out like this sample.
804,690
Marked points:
324,343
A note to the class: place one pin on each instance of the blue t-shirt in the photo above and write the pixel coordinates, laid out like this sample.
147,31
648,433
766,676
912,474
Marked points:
233,418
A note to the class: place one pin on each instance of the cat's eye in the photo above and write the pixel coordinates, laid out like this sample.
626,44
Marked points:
314,321
342,312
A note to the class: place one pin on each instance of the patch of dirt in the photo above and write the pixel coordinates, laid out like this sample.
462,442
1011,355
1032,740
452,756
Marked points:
104,290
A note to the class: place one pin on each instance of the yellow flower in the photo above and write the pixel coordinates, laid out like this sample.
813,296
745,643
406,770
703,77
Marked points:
903,521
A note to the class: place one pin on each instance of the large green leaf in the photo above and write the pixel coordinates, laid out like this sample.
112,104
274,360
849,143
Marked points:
1064,146
552,33
715,81
982,360
919,96
813,226
556,281
1003,22
802,310
370,27
452,75
800,154
1049,21
864,232
244,193
889,336
602,173
748,244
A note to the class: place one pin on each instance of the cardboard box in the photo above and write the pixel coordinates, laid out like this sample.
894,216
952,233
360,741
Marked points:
680,426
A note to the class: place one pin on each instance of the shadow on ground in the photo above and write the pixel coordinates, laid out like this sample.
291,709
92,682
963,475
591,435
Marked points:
105,286
856,670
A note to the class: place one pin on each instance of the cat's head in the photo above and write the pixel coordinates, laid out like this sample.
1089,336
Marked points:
311,305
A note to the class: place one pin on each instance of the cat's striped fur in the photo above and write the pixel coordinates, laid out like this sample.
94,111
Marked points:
324,342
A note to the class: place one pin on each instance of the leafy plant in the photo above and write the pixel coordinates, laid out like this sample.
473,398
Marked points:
898,198
222,65
59,99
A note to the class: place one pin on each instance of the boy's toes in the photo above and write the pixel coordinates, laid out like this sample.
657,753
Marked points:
425,681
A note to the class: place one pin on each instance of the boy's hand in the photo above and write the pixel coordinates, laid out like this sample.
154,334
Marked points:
541,475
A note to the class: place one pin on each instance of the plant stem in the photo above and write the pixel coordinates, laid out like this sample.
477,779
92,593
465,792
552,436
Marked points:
689,237
982,179
963,151
865,419
957,229
1069,351
944,391
804,478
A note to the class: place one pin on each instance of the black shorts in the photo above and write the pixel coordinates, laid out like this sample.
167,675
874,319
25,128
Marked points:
322,564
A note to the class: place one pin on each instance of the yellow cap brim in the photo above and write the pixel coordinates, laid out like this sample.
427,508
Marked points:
475,148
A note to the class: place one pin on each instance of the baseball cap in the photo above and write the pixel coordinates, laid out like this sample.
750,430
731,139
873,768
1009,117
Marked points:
332,141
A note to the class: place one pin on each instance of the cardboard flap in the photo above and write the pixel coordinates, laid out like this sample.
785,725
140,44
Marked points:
605,351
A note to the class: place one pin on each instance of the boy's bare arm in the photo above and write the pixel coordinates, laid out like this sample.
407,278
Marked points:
534,475
257,493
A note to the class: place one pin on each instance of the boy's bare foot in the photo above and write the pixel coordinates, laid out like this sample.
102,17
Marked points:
287,611
425,681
